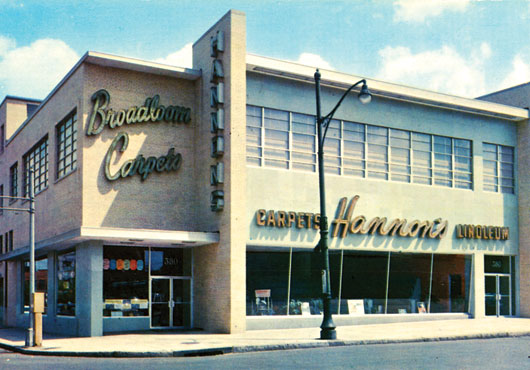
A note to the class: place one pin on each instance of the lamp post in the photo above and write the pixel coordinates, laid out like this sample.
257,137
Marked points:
328,327
30,334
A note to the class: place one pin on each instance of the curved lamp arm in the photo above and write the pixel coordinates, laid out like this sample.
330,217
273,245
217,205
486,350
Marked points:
324,121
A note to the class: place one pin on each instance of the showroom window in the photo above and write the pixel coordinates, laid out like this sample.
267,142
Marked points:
41,281
66,284
127,272
287,283
125,281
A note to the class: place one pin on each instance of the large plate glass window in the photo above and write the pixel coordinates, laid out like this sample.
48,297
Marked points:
41,281
288,283
66,284
267,283
125,281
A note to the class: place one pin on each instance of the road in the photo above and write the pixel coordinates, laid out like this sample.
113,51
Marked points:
504,353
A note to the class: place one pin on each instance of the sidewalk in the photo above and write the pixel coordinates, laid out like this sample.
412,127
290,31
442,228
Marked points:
169,344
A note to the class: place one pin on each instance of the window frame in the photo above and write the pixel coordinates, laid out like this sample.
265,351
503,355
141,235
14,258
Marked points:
41,178
2,138
1,199
58,279
497,177
447,161
25,264
66,145
13,181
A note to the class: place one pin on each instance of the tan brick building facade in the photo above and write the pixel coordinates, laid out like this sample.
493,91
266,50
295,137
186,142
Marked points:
169,197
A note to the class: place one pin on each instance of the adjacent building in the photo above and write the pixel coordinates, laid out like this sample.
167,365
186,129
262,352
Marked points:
170,197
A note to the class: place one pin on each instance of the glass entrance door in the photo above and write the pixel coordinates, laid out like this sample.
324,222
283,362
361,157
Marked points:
170,302
181,310
160,303
498,295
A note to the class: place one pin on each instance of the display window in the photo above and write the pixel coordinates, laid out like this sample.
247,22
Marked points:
363,278
267,283
41,281
127,272
450,283
408,283
125,281
288,283
66,284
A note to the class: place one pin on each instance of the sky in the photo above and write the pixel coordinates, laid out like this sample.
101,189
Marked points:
466,48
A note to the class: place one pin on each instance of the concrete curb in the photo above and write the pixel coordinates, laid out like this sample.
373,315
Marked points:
215,351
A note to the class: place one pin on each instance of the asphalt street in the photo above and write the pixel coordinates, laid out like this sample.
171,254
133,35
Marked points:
500,353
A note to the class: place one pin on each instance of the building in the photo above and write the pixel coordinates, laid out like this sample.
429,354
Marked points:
519,96
171,197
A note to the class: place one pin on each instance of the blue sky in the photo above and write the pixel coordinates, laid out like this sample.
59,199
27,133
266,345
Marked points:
460,47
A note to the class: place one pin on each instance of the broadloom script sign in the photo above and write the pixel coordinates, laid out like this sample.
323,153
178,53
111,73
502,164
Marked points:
151,112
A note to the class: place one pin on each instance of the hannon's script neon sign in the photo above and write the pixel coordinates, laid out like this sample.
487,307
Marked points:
152,112
345,223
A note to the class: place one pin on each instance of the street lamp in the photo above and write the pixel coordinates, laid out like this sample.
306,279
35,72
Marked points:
30,334
328,327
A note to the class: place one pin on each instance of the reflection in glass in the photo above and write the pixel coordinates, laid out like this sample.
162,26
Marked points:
41,281
159,315
364,278
66,284
267,283
181,302
450,283
280,284
409,282
306,294
125,281
160,296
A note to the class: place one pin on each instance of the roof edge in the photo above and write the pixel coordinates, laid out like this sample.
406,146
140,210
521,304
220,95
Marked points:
292,70
504,90
117,62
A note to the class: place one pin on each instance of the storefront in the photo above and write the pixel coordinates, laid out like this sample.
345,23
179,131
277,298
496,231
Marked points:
176,198
148,283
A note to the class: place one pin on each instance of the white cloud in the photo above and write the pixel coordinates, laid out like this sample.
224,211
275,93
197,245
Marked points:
33,71
485,50
313,60
519,74
442,70
6,44
419,10
180,58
